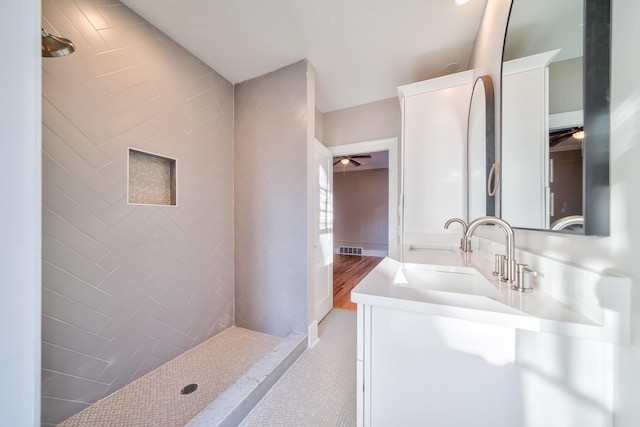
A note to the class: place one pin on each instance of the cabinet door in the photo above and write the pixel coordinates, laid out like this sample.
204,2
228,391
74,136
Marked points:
525,149
434,144
435,371
363,369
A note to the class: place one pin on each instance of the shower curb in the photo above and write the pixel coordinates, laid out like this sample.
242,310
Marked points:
235,403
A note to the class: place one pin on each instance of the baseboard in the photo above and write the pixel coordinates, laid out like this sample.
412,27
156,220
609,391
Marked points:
313,334
367,252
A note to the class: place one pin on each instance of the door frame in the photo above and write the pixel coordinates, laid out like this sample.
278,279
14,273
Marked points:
324,158
394,215
390,145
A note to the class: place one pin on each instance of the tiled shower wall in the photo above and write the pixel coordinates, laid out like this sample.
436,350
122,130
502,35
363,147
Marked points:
271,201
127,288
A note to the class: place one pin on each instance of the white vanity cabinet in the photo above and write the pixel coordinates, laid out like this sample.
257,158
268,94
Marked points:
434,129
422,370
465,356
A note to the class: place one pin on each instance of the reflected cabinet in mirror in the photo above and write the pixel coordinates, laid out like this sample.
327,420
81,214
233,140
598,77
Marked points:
555,116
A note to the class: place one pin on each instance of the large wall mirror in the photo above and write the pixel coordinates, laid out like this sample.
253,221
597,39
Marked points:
555,116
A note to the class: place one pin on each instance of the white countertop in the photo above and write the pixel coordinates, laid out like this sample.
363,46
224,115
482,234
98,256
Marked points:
535,311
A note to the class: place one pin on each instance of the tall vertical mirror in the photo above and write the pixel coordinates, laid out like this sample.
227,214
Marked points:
555,116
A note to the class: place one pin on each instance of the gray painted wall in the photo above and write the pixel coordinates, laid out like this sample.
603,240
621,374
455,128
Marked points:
361,209
127,288
271,123
565,86
319,124
368,122
20,218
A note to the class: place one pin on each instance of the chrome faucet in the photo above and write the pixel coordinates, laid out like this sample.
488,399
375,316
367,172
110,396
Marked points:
508,272
521,285
464,243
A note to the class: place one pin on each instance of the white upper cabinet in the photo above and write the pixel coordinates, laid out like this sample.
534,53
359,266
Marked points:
434,134
525,142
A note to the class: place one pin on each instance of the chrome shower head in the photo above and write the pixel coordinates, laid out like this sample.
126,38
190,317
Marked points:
53,46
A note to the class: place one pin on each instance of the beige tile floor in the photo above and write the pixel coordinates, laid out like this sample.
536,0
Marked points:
320,388
155,400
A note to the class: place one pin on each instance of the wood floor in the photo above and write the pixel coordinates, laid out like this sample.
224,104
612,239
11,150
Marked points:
348,271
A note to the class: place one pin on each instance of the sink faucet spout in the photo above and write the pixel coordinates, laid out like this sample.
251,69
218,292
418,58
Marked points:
464,243
510,258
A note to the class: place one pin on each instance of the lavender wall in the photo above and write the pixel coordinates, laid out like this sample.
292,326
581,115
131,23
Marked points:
368,122
361,210
271,232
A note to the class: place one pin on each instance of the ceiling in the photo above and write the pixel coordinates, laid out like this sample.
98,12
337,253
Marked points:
361,49
378,160
544,25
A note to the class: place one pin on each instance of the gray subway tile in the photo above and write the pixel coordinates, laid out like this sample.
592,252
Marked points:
66,310
70,387
63,360
67,336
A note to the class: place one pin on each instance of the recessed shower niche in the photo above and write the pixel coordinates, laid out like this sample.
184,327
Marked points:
152,179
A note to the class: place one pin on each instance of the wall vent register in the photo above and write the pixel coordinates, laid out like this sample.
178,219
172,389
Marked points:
152,179
349,250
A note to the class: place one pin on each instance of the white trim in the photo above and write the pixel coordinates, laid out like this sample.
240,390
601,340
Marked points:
366,252
362,167
566,120
391,145
313,338
527,63
372,252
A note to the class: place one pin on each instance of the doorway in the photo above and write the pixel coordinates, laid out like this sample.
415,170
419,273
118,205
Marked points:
365,212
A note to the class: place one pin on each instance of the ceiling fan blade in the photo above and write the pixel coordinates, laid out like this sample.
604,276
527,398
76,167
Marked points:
556,137
560,133
355,163
364,156
336,162
557,140
563,132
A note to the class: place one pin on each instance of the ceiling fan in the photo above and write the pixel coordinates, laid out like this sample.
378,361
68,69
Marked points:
558,136
345,160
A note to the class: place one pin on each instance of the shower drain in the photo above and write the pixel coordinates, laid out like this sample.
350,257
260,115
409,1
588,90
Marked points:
188,389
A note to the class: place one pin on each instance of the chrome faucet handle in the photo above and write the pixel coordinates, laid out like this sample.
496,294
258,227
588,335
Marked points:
465,244
498,269
509,274
520,285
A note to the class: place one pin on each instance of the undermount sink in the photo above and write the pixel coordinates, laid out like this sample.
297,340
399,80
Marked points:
441,278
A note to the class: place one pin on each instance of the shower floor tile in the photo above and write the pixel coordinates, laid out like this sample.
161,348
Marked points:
155,399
